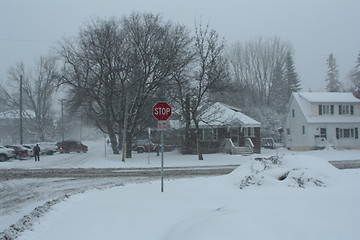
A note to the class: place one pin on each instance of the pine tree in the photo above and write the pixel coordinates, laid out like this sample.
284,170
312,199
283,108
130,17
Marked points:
355,78
291,76
355,74
332,80
278,96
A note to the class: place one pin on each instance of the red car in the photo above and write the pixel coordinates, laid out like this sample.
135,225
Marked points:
20,151
71,146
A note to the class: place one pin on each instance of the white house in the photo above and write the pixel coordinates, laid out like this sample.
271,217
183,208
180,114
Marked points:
316,120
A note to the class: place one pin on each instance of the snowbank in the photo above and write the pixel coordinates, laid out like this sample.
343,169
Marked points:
292,171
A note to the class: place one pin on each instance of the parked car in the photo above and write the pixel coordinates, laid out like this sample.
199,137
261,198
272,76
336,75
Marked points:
48,148
145,145
6,153
20,151
71,146
268,143
30,148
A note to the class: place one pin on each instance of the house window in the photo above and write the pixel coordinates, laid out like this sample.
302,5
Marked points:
303,130
252,132
326,109
249,132
288,131
346,109
209,134
215,136
347,133
293,113
323,133
246,132
234,135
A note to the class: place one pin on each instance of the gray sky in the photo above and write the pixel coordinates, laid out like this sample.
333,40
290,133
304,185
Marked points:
315,28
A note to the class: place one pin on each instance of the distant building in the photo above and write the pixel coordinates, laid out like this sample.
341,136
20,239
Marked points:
10,127
316,120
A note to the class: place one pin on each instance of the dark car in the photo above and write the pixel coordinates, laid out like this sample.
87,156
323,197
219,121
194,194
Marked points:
145,145
20,151
71,146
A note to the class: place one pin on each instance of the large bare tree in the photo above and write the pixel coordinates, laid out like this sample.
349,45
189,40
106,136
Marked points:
95,67
117,67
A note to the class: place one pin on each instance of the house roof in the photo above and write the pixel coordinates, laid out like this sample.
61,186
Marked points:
329,97
306,99
220,114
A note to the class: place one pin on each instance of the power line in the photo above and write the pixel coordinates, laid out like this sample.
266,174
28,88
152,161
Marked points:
325,55
24,40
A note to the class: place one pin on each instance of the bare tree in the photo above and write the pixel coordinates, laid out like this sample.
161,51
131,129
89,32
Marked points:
96,69
116,68
38,87
158,51
208,75
254,65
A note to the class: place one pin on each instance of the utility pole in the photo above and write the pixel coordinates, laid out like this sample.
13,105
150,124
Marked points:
21,110
62,119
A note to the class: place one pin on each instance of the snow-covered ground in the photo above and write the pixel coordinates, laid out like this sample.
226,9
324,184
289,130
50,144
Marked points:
99,156
301,196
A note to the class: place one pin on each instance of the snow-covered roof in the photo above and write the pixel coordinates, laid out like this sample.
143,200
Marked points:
220,114
306,99
329,97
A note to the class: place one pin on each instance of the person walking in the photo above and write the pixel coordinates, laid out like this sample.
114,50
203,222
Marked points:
36,151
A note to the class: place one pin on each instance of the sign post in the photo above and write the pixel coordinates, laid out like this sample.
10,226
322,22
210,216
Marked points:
162,111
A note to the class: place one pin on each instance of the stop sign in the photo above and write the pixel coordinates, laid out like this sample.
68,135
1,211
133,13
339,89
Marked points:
162,111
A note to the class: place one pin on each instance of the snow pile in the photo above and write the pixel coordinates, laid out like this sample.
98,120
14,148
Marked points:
291,171
26,222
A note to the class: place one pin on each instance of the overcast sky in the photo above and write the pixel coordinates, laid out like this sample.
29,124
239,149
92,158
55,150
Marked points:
315,28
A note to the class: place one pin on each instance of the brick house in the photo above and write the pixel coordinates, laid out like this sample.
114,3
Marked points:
220,123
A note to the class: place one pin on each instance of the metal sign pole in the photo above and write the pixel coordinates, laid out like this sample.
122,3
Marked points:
162,111
162,160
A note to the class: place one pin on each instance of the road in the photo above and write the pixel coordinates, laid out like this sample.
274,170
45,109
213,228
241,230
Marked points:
172,172
348,164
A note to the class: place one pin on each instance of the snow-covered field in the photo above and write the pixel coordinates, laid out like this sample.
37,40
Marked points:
301,196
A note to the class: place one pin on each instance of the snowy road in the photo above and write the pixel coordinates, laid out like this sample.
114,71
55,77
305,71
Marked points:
20,173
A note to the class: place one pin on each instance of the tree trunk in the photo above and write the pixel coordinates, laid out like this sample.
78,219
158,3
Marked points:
113,141
187,134
198,147
129,146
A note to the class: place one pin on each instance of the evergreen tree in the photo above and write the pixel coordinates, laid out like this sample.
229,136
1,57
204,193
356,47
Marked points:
355,74
332,80
278,97
291,77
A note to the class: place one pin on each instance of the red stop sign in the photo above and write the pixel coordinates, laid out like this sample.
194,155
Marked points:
162,111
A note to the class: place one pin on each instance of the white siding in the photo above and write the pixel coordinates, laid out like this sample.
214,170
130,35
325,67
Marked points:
307,114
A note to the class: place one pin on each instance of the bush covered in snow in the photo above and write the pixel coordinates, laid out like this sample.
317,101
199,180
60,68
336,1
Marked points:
290,171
